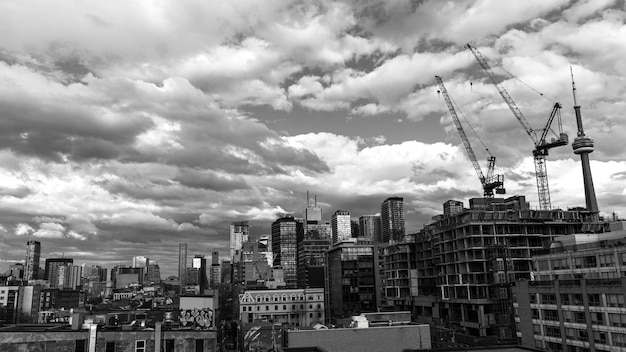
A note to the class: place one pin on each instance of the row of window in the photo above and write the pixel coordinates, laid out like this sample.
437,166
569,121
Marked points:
592,261
277,298
599,337
614,319
293,307
594,299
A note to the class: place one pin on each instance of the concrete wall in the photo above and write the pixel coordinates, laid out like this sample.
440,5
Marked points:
388,339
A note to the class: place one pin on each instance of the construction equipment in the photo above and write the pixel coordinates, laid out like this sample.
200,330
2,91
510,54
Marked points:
491,182
541,146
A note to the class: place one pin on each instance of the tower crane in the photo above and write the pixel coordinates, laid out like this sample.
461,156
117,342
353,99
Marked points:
491,182
539,139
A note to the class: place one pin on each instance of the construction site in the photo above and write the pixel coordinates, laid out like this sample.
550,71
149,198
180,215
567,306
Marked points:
459,271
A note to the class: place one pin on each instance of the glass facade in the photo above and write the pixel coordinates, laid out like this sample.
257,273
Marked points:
284,231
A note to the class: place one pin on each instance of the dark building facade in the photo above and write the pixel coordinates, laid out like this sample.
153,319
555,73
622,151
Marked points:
392,221
284,248
33,253
352,279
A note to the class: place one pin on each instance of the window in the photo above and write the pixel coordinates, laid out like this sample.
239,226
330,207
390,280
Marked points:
600,337
548,299
606,260
200,345
578,262
565,299
579,317
619,339
597,318
613,300
79,345
616,319
578,299
267,307
533,298
590,262
535,313
543,265
553,331
258,308
275,307
537,329
284,307
549,314
243,309
169,345
140,346
594,300
110,346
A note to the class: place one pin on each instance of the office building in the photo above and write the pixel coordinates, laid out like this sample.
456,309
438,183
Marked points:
239,232
140,262
312,213
352,279
575,298
199,262
153,274
452,207
182,264
215,258
312,246
16,271
369,228
256,263
400,275
56,274
284,248
33,252
341,226
300,307
392,220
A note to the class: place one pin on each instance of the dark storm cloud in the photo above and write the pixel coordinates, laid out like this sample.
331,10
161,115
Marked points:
209,180
18,192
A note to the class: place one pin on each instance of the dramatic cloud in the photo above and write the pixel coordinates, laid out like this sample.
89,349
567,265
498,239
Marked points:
127,128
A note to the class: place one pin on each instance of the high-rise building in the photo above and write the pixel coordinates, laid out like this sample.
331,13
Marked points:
55,273
369,227
392,219
199,262
312,213
141,262
239,231
311,247
33,251
215,258
341,226
352,279
452,207
284,249
182,264
153,273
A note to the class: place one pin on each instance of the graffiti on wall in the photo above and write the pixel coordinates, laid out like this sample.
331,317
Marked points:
197,319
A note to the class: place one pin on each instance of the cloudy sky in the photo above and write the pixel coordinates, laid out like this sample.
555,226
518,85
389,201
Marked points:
127,127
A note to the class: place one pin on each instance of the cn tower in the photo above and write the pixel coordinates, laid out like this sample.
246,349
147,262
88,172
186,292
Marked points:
582,146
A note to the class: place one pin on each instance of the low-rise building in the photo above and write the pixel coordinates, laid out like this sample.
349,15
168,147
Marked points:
300,307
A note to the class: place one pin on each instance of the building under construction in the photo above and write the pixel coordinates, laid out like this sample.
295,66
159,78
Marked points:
467,261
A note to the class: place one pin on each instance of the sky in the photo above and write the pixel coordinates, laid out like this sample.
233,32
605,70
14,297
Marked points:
127,127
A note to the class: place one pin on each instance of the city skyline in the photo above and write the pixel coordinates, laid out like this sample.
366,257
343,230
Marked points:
127,130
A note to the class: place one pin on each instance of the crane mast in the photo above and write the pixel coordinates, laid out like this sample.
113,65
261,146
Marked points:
488,183
541,146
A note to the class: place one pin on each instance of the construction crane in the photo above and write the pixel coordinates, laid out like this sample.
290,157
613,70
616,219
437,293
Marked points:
539,139
491,182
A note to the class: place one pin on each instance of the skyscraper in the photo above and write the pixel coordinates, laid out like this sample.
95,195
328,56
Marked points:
239,231
341,226
369,227
284,232
141,262
199,262
312,213
33,251
392,219
57,272
182,264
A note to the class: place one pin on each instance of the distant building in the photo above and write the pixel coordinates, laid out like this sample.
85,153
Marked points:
141,262
352,279
31,268
56,273
16,271
300,307
239,232
341,226
256,264
392,219
311,248
312,213
199,262
284,248
153,274
182,264
452,207
369,228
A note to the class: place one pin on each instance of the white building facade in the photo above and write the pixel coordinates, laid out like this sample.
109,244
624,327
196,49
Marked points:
301,307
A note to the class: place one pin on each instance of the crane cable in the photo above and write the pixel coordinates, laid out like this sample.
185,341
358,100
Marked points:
469,124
